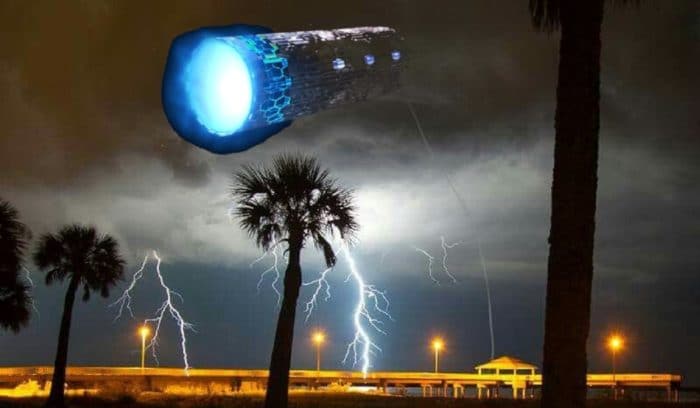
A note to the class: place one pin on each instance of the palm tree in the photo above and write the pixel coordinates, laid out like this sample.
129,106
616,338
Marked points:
290,203
89,261
14,295
571,237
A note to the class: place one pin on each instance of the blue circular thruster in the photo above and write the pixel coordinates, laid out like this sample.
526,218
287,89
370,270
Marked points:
396,55
369,59
211,89
219,86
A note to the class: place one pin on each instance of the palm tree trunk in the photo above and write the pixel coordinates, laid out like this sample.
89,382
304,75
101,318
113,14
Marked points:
278,380
59,369
570,268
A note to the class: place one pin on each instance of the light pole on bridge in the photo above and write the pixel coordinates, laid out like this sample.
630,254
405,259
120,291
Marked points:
438,344
615,342
318,338
144,331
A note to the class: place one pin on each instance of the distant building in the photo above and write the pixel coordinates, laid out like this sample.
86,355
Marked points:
506,366
512,371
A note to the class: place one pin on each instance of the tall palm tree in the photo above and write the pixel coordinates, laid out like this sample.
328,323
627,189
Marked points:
88,261
575,179
288,204
14,295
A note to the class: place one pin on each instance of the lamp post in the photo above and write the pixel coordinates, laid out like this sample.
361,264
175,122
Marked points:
437,346
144,331
615,343
318,338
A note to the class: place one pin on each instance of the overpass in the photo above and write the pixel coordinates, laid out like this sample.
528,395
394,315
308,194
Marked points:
226,381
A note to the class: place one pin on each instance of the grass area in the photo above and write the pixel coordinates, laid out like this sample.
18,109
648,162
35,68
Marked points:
315,401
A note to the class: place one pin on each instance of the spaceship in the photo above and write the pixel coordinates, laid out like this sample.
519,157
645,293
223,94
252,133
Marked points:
226,89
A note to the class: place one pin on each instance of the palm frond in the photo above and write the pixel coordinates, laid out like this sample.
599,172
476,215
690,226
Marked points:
105,266
328,252
52,254
55,274
14,236
294,194
78,251
86,292
15,307
15,297
250,181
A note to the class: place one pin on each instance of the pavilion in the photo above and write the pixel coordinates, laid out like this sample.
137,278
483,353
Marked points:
519,373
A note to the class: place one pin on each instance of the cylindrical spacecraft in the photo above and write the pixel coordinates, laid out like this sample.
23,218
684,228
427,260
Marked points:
227,89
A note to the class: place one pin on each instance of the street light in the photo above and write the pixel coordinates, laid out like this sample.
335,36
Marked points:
318,338
144,331
615,342
438,344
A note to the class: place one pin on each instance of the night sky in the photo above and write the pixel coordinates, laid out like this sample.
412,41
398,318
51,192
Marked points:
85,140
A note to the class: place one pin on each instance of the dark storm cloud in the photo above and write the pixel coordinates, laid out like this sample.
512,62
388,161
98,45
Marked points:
91,71
85,139
81,80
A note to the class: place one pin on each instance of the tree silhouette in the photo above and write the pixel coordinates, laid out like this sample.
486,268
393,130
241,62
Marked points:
14,295
574,185
88,261
288,204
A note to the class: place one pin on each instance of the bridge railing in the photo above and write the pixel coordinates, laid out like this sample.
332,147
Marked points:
347,376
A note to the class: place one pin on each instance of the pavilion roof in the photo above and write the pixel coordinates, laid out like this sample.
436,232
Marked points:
507,363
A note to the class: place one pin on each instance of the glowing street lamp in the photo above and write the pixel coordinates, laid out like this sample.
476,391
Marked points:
437,344
318,338
144,331
615,343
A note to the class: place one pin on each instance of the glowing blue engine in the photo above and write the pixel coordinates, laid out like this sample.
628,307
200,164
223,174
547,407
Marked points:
227,89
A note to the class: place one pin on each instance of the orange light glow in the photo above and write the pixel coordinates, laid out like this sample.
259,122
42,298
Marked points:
438,344
319,337
615,342
144,331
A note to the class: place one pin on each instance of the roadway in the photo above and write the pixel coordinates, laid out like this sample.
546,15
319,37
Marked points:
233,380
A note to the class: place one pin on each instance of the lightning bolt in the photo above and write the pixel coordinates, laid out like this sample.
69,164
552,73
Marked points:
381,259
273,269
321,283
488,297
30,281
445,247
124,302
370,300
463,204
168,306
431,260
